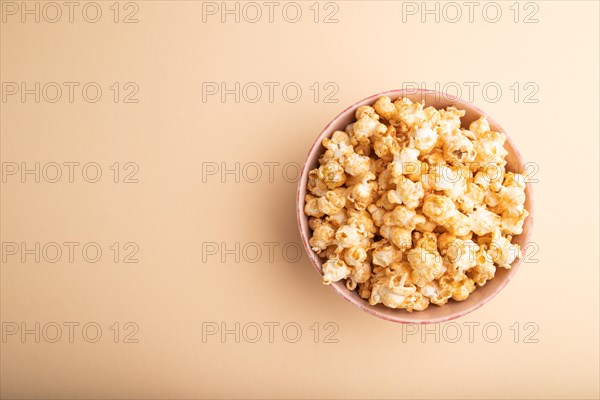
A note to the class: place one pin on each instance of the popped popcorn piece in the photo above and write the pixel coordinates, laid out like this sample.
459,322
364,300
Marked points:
400,216
332,174
443,211
389,199
386,145
436,294
337,147
348,236
458,148
409,193
409,207
484,269
362,219
406,162
479,127
355,256
457,283
398,226
399,236
362,273
449,120
473,196
333,201
366,127
313,222
384,107
512,179
434,157
444,240
424,138
484,221
502,251
338,219
410,114
461,254
452,181
510,203
513,224
415,172
315,185
489,148
364,289
425,260
389,287
385,181
366,111
489,176
377,213
385,254
362,194
357,165
423,224
335,270
511,199
311,206
432,115
403,269
323,235
468,134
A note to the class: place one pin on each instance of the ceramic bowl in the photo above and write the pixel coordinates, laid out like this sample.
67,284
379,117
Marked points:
433,314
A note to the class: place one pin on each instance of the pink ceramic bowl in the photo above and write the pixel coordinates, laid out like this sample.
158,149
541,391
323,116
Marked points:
433,313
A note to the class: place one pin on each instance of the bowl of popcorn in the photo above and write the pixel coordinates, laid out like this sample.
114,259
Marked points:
414,206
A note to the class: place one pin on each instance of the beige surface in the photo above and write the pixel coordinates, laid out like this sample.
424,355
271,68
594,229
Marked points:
173,297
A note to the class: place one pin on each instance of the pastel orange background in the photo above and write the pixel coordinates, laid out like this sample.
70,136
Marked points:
173,295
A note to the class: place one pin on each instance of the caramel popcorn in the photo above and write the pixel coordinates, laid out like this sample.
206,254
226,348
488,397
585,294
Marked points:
410,208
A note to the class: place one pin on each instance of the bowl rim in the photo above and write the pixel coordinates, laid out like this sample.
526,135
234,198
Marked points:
347,294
